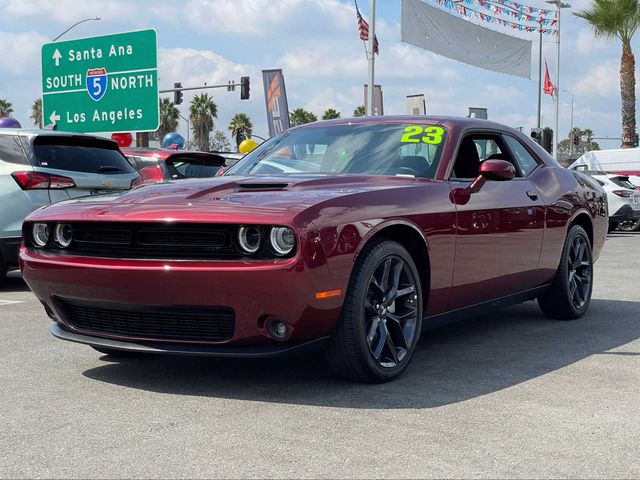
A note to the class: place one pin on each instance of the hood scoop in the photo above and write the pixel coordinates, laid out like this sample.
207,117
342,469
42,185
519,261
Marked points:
261,187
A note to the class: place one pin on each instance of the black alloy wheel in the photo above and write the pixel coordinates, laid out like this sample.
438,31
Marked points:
569,296
381,316
391,311
629,225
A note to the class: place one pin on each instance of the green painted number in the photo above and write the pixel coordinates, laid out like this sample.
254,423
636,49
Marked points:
409,133
433,135
412,135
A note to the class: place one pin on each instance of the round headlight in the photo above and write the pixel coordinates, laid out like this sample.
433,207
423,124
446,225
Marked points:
282,240
40,234
63,235
249,238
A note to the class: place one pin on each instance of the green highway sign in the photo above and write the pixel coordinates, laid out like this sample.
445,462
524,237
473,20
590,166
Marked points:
102,84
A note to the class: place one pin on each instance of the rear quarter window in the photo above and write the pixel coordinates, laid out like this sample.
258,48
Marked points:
80,154
11,150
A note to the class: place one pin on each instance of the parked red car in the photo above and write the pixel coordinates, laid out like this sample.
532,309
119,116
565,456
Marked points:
161,164
348,235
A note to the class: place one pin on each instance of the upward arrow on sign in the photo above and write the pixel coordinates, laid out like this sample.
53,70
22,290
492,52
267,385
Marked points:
57,56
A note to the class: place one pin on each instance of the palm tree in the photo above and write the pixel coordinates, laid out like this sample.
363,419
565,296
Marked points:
36,112
240,127
202,112
300,116
168,118
619,19
6,109
330,114
359,111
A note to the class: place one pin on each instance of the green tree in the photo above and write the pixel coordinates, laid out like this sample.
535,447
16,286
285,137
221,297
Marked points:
220,142
202,111
36,112
6,109
359,111
619,19
240,127
330,114
300,116
568,146
169,115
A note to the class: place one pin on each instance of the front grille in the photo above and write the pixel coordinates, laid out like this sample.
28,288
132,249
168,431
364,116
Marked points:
154,323
154,241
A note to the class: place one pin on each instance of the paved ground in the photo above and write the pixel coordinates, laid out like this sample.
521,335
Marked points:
508,395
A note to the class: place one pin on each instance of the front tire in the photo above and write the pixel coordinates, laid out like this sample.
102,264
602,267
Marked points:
569,296
381,316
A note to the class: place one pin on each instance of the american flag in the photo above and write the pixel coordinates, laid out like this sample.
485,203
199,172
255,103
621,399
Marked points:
363,27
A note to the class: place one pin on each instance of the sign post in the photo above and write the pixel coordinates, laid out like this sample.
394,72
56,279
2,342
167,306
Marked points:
102,84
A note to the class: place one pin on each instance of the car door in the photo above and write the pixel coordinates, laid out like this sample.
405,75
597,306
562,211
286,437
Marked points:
499,229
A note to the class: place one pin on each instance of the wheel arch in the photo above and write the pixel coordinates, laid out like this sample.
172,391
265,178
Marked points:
410,237
583,219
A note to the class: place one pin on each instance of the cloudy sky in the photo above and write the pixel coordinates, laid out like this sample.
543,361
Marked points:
316,43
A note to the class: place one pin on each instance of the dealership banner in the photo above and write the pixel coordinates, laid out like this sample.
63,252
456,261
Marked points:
440,32
275,97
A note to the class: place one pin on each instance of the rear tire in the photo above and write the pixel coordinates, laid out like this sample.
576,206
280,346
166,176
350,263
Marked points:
381,316
569,296
629,225
114,352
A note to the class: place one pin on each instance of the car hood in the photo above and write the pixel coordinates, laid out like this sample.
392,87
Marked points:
223,199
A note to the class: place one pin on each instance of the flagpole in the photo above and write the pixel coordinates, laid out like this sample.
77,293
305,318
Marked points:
559,6
540,79
372,39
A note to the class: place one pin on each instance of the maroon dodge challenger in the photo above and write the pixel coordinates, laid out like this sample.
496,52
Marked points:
348,236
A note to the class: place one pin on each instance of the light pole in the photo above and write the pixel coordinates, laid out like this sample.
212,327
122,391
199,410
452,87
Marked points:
559,6
571,129
188,127
75,25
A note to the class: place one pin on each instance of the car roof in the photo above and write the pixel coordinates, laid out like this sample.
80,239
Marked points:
447,121
23,132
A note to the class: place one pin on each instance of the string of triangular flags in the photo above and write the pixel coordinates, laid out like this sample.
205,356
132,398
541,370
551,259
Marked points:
538,24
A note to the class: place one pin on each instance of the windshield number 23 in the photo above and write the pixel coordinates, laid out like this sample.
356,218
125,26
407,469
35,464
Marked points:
413,134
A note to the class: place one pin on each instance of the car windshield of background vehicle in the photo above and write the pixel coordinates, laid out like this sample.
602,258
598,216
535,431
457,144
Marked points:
384,149
79,154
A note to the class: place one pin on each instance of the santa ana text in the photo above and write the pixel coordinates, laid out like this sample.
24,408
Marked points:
96,53
106,116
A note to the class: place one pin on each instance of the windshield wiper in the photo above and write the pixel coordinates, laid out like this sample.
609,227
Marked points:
109,168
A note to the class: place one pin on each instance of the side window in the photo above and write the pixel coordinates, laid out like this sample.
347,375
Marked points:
475,149
526,163
11,150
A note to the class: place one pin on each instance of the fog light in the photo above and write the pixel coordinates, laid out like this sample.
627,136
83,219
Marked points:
277,329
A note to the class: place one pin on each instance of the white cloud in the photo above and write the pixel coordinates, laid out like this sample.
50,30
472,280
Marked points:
69,11
601,80
21,52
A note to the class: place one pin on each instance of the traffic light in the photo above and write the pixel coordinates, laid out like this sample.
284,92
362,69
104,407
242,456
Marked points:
635,141
244,88
177,94
547,140
576,140
536,135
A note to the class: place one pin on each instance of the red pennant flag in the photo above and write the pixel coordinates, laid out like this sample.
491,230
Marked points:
549,88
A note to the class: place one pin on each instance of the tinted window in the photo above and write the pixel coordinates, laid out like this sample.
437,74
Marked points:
11,150
369,149
526,163
622,182
475,149
80,154
189,167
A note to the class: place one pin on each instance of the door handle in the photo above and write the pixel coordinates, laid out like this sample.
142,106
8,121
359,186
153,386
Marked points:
532,195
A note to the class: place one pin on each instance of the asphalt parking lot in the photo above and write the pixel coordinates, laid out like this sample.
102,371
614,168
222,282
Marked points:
506,395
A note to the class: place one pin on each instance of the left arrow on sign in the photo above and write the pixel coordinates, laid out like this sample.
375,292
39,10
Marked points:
57,56
54,118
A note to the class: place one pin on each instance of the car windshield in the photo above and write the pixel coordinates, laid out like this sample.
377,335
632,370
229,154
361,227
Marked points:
380,149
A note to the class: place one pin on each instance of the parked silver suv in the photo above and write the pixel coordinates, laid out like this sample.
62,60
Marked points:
40,167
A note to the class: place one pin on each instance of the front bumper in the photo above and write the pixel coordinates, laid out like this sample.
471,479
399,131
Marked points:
285,289
256,351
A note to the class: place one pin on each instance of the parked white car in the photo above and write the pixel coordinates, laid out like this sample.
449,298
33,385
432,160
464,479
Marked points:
623,199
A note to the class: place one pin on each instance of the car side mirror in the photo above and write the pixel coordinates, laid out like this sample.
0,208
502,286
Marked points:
495,170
